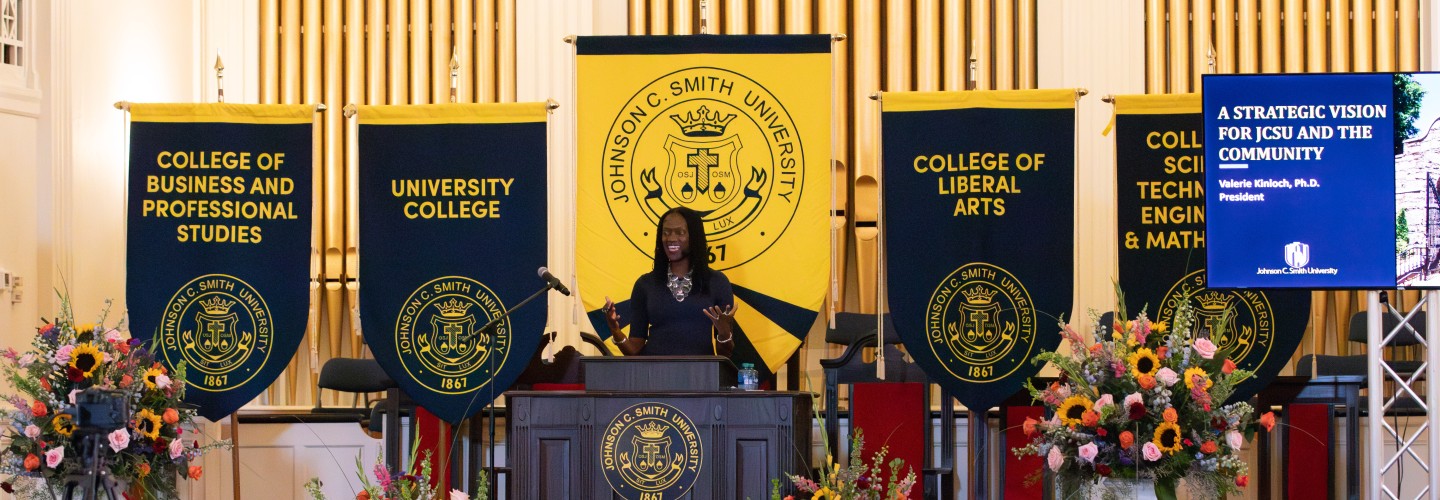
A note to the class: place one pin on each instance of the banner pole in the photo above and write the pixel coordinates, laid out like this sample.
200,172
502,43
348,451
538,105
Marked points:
235,451
879,261
219,79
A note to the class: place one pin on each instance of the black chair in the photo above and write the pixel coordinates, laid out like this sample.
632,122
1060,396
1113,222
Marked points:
364,377
857,333
1327,365
597,342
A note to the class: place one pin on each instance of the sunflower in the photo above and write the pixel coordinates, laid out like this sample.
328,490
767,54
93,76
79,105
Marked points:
1072,411
1143,362
86,358
150,376
1167,438
147,423
1190,377
63,424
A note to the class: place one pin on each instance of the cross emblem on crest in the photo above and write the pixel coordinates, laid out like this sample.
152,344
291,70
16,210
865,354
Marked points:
703,161
979,317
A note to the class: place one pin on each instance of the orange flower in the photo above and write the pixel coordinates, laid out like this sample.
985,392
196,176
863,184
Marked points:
1268,421
45,382
1162,350
38,409
32,462
1242,481
171,416
1029,426
363,495
1229,367
1090,418
1147,382
1126,439
1094,348
1171,415
126,380
144,469
1209,447
195,472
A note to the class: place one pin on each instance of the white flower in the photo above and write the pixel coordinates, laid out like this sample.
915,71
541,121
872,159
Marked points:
31,431
1234,439
119,439
458,495
27,359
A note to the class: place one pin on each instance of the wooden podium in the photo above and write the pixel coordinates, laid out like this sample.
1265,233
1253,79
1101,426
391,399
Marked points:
657,427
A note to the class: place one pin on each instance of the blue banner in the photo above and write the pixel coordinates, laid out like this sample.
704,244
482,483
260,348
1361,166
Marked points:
218,243
979,208
452,229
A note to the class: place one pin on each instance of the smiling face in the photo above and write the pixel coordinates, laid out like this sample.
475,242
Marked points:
675,238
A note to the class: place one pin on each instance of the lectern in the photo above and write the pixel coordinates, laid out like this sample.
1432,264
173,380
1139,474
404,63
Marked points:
657,427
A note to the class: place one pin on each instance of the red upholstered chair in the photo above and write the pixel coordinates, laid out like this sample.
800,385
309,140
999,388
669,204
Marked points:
893,412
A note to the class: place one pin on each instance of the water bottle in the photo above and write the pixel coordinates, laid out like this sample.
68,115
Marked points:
749,378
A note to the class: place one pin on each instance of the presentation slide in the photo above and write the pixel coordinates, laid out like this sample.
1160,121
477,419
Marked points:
1308,183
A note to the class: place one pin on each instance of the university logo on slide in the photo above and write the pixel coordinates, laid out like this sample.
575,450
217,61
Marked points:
651,451
215,324
1248,329
438,334
733,155
1297,254
980,323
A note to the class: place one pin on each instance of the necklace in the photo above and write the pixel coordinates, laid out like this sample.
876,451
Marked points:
679,285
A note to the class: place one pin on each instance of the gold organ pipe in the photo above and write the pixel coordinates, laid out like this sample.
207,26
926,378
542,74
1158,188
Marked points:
1364,38
269,51
1315,36
955,60
980,40
1293,28
684,19
485,50
1340,36
1155,67
399,51
1025,31
1385,35
659,17
798,17
1409,34
1225,36
506,79
420,51
375,52
637,18
737,17
927,45
1179,23
1270,36
1004,44
1203,44
290,53
334,56
1249,46
441,49
767,17
312,30
897,47
354,93
465,50
711,17
866,46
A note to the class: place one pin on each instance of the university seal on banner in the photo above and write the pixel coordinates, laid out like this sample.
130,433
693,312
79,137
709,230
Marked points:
980,323
713,140
438,337
216,324
651,451
1249,330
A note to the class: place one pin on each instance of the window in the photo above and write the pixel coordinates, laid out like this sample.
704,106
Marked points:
12,34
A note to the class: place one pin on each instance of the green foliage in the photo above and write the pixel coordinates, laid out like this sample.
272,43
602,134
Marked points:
1408,95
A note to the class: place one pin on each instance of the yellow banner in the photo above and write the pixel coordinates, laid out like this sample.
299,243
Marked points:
734,130
222,113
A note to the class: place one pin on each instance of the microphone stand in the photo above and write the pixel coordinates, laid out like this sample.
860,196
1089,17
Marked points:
488,328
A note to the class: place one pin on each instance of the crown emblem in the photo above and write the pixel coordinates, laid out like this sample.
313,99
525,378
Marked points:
978,295
1214,301
702,123
651,430
216,306
453,308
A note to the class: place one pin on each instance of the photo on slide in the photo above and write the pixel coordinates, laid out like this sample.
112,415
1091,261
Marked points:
1417,179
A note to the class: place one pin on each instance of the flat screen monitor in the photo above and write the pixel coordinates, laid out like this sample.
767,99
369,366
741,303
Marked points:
1322,180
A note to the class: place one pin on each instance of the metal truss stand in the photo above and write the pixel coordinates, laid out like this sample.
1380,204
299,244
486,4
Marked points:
1381,462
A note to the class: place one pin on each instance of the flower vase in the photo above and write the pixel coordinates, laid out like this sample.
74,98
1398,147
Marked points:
1130,488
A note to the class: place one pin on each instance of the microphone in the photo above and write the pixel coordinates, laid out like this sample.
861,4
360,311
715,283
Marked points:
554,282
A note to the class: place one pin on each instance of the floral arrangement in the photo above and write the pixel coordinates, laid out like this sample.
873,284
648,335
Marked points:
43,441
1138,400
859,481
411,483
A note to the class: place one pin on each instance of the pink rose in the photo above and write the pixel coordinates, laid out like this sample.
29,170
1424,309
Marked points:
458,495
177,448
1205,348
162,381
1103,401
31,431
54,456
1055,459
1134,399
112,336
1167,376
27,359
1234,439
1150,451
1088,452
62,355
119,439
